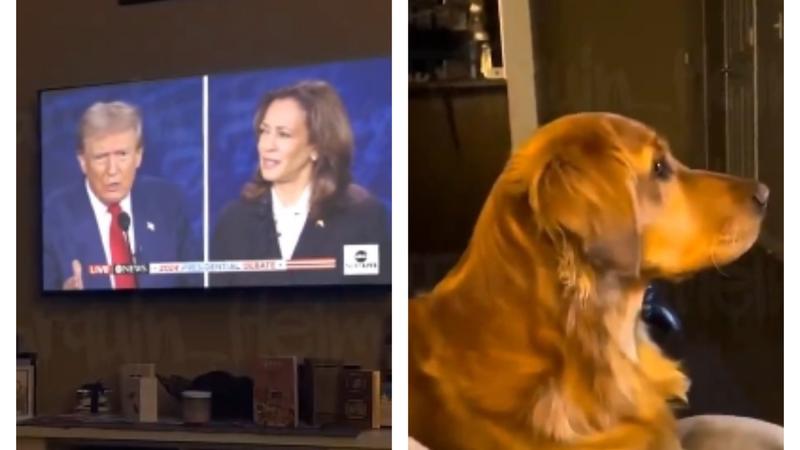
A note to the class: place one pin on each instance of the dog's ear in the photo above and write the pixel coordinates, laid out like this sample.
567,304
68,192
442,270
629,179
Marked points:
587,191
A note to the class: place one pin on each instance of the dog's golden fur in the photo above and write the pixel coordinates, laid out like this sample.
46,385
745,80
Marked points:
533,340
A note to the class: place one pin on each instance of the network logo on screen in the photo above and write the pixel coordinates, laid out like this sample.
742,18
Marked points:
361,260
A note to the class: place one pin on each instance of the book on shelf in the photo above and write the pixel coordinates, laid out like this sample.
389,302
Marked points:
319,391
275,392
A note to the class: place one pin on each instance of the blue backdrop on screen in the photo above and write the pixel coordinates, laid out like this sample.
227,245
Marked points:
172,115
365,89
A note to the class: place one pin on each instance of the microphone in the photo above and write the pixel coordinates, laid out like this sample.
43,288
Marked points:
124,222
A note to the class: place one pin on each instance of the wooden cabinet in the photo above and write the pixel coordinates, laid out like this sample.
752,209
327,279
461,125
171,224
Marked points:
744,98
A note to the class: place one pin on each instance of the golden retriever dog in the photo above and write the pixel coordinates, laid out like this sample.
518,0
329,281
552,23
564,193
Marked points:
534,339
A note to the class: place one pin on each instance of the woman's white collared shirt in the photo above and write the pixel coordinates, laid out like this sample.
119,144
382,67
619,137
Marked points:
290,220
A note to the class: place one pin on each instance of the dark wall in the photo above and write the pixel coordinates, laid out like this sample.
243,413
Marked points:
731,344
767,59
80,340
629,58
459,140
770,112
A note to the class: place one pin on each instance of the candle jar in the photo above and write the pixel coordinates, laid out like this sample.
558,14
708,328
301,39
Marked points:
196,407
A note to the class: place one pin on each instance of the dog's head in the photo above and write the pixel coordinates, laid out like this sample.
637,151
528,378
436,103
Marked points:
611,186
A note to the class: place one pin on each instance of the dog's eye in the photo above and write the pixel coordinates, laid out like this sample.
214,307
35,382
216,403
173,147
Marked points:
661,169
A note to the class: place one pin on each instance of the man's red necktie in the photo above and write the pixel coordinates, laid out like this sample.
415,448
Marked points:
120,252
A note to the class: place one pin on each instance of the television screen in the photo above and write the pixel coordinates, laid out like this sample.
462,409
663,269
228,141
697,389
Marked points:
258,178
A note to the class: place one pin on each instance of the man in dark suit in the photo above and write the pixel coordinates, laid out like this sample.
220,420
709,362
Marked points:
113,217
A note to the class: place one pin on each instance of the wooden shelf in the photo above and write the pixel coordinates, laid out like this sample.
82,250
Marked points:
456,84
39,437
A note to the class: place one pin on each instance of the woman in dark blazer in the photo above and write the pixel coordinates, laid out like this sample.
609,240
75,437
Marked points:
301,203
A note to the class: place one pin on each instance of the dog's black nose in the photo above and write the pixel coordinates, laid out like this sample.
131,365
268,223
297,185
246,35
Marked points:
761,195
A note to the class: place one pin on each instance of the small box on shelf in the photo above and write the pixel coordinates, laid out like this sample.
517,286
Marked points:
139,392
360,397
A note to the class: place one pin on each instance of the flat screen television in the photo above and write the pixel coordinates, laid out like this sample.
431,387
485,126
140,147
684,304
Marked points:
274,177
